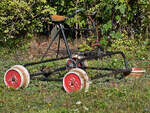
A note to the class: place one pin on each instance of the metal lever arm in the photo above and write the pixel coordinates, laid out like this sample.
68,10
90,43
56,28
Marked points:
76,11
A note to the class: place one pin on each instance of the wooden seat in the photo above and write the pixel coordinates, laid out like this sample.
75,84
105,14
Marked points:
58,18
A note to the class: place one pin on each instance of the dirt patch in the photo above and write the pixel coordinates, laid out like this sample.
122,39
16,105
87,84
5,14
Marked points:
39,45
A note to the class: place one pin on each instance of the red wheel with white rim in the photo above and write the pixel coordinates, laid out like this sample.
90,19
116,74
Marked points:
136,72
72,82
83,63
84,76
13,78
70,63
25,73
75,80
17,76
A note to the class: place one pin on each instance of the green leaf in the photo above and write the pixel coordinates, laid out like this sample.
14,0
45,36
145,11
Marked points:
122,1
44,1
108,25
117,7
115,1
118,18
116,34
6,31
122,8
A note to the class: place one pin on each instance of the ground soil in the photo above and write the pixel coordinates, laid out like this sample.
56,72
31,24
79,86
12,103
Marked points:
39,45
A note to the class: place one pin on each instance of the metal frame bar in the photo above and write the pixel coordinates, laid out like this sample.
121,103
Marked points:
88,56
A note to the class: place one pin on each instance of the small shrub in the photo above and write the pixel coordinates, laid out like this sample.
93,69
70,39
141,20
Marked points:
124,44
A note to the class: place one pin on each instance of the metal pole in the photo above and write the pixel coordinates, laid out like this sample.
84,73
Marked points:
50,45
65,40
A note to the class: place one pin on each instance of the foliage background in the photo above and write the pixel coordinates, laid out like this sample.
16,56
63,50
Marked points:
117,19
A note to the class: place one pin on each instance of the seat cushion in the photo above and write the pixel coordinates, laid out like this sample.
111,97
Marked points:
58,18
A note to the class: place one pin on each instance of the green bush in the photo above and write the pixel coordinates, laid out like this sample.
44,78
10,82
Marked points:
124,44
24,18
20,19
130,46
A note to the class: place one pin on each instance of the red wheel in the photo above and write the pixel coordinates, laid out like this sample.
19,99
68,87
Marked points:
13,78
75,80
70,63
17,76
136,72
25,73
72,82
84,76
78,57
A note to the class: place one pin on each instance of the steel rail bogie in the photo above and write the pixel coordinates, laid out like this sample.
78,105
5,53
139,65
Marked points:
76,78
